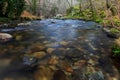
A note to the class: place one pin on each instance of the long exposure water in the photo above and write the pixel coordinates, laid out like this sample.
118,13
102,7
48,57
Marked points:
79,45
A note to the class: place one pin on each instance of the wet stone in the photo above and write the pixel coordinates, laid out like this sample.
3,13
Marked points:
74,54
38,48
43,73
91,62
62,49
53,67
80,64
59,75
79,74
24,24
97,76
64,43
39,54
69,69
41,37
59,52
45,42
53,60
52,45
4,37
50,50
18,37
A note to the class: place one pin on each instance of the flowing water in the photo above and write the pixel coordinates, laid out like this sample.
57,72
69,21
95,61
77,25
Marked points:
79,45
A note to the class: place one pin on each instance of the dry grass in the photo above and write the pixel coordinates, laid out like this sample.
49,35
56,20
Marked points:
28,15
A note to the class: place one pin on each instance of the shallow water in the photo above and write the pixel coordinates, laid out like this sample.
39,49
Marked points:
71,40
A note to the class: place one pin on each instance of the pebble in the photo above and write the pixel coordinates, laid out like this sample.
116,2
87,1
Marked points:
38,48
53,60
39,54
50,50
24,24
18,37
62,49
64,43
43,73
52,45
80,63
91,62
41,37
45,42
69,69
53,67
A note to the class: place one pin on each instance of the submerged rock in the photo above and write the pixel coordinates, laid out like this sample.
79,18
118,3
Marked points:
38,48
4,37
96,76
39,54
80,64
18,37
53,60
59,75
43,73
50,50
64,43
24,24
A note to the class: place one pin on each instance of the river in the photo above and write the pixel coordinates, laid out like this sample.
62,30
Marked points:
75,49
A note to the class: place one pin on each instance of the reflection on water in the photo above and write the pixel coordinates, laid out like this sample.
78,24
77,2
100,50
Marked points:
70,36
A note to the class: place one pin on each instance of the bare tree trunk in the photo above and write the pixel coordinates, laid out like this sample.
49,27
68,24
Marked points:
68,3
92,9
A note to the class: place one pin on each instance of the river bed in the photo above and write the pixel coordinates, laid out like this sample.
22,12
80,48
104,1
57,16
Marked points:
68,49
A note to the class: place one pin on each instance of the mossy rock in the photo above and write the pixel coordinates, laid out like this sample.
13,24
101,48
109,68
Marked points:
112,32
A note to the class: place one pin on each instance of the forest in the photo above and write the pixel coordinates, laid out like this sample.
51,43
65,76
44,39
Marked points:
59,39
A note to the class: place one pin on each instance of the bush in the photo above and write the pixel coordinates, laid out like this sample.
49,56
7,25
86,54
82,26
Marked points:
116,21
116,51
11,8
2,19
114,30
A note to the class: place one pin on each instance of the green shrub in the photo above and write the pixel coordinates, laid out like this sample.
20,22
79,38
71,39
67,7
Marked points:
114,30
116,50
2,19
116,21
99,20
11,8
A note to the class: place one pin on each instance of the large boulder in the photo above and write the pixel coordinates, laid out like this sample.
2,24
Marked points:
4,37
58,16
